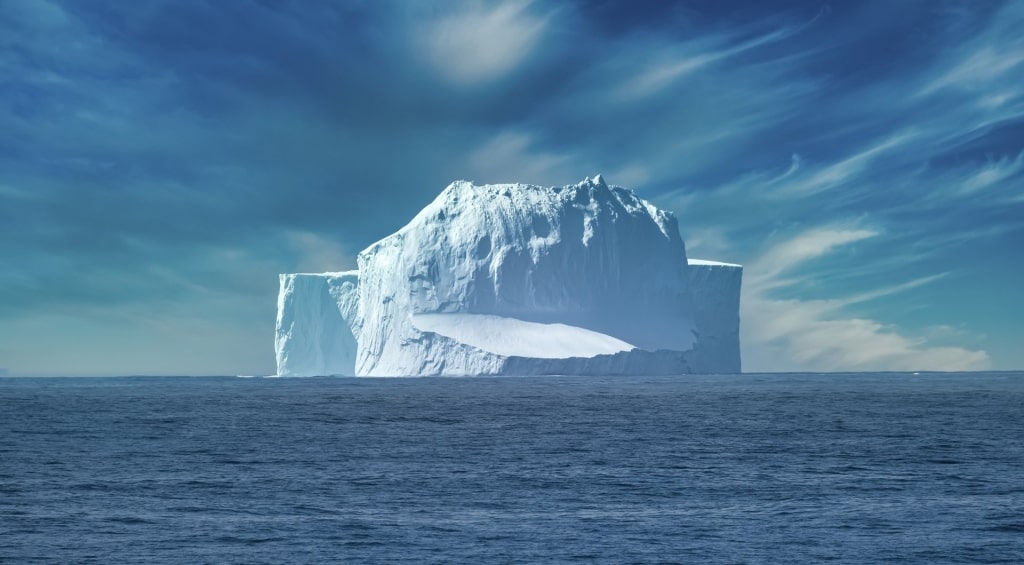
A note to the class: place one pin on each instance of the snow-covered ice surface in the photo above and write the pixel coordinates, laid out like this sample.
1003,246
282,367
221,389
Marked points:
705,263
517,279
518,338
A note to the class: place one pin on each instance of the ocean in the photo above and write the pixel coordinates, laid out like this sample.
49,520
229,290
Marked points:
775,468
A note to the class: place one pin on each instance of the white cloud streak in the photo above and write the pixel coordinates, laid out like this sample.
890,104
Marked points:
804,247
317,254
815,335
993,172
843,171
511,157
663,74
482,42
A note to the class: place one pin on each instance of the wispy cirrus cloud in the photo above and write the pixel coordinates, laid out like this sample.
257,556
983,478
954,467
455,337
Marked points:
803,247
787,334
836,175
481,41
318,254
995,56
678,61
993,173
513,157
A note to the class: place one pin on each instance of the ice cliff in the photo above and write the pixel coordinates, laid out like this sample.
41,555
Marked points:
517,279
715,295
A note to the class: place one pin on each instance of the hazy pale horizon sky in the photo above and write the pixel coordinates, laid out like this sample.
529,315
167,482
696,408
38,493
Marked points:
162,161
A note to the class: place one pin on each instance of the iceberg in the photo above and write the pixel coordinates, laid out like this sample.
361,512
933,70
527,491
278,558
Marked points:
517,279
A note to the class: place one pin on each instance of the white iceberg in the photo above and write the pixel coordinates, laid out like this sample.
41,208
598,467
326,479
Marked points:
517,279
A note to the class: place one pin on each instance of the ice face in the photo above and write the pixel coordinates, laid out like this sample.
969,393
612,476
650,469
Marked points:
315,330
505,278
715,292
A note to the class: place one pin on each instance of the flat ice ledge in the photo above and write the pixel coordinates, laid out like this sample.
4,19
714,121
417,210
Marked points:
511,337
706,263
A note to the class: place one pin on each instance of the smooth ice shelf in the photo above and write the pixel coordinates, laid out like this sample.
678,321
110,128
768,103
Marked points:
517,279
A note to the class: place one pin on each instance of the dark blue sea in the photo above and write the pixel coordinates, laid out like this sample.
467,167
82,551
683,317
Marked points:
794,468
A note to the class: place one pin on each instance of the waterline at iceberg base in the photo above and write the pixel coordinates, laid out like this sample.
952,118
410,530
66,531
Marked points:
515,279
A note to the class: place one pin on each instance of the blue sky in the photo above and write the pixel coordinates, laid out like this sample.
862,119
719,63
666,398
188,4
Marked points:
162,161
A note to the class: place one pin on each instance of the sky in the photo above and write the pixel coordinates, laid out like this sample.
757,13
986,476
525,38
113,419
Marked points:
162,161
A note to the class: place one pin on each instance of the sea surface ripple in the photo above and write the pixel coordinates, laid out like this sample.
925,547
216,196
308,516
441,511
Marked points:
846,468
